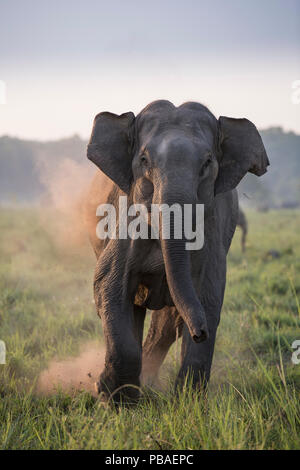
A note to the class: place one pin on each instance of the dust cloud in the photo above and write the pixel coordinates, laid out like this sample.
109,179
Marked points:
74,373
66,187
66,184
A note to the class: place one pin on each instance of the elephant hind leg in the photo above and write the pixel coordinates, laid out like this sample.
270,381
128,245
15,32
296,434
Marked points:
166,325
139,314
243,240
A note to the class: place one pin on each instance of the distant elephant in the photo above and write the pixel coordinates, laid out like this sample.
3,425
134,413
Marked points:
242,222
165,155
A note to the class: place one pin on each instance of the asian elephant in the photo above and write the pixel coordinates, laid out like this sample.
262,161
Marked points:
243,224
165,155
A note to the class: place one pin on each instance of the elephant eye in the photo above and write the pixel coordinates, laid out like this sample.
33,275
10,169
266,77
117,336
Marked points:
205,166
143,158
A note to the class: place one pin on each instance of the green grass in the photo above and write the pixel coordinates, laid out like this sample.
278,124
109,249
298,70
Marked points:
47,311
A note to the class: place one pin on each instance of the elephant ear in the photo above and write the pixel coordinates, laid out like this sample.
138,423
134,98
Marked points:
110,147
242,150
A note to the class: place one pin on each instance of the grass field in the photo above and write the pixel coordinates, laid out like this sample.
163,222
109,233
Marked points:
47,312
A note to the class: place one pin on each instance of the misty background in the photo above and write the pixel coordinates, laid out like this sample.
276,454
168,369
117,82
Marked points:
65,61
57,172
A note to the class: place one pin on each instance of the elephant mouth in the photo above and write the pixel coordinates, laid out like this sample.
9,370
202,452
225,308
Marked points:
153,292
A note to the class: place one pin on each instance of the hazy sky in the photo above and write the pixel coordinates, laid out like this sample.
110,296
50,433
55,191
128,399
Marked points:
63,61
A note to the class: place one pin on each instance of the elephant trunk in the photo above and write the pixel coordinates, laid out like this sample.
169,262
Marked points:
178,273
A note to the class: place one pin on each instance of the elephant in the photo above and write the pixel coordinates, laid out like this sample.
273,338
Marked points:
165,155
243,223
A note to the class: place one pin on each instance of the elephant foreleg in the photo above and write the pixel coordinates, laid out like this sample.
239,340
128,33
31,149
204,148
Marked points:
122,326
196,358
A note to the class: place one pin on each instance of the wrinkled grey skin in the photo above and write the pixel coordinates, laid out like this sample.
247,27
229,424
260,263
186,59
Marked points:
242,222
166,155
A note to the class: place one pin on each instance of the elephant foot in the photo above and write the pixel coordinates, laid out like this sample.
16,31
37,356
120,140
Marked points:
114,392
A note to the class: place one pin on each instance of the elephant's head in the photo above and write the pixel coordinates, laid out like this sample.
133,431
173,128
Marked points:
181,155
